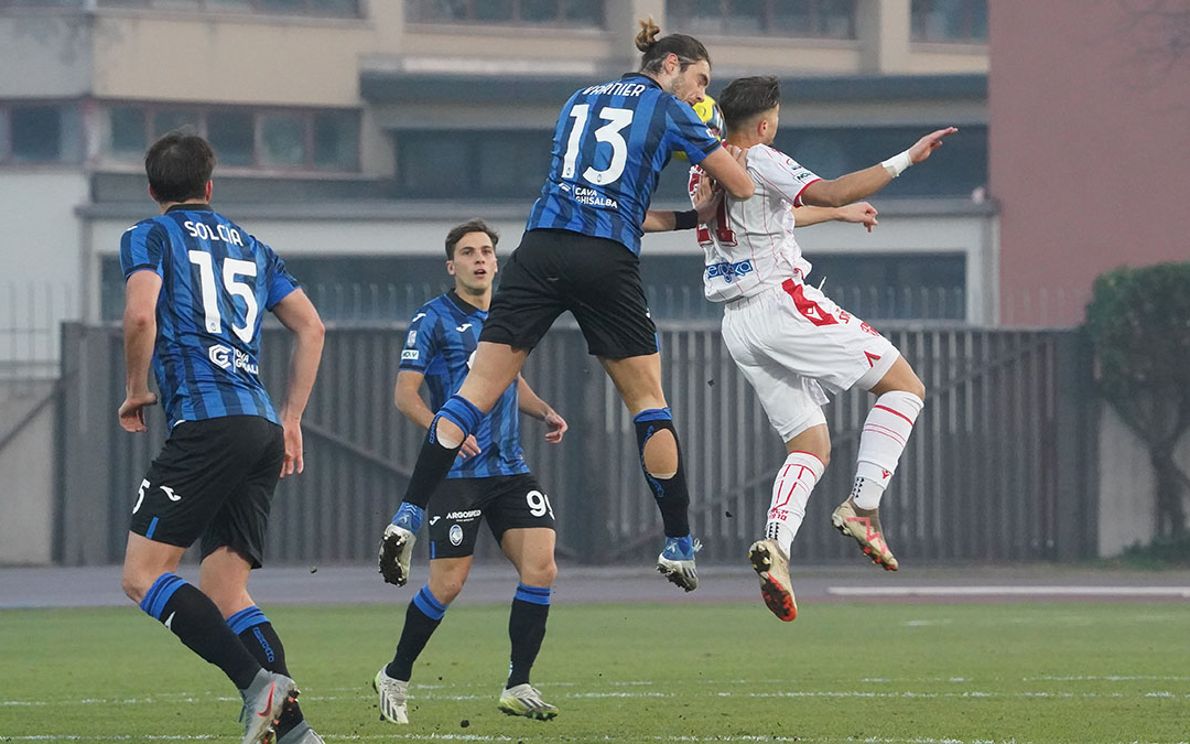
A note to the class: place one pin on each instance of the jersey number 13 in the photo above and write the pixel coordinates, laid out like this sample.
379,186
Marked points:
617,120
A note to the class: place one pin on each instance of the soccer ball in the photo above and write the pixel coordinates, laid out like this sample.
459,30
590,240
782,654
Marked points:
708,111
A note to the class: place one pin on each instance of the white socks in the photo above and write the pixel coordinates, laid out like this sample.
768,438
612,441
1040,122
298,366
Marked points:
885,434
791,490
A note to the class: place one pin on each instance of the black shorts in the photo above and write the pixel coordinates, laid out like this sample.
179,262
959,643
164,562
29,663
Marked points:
596,279
506,501
214,479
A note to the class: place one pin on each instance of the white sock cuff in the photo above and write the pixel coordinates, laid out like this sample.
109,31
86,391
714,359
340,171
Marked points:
901,403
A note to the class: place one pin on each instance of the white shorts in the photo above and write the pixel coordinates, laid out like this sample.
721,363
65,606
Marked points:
795,346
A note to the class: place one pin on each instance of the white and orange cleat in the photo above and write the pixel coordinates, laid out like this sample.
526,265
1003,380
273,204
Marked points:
776,588
863,525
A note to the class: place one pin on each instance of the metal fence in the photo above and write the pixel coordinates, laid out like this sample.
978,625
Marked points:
998,468
29,318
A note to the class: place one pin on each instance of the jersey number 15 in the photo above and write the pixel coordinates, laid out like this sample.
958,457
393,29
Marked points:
232,268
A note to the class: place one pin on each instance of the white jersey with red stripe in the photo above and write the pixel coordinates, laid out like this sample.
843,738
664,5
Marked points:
750,246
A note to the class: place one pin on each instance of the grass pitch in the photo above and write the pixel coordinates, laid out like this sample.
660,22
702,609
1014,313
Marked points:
683,672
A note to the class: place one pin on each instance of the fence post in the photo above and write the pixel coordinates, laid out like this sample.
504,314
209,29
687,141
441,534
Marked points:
83,435
1077,421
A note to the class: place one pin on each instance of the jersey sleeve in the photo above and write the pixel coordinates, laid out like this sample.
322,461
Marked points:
142,248
421,343
688,133
280,283
781,173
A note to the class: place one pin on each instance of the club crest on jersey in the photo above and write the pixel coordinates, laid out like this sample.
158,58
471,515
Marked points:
728,271
456,535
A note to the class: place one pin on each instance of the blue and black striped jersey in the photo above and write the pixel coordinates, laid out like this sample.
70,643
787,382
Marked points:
610,144
442,339
215,281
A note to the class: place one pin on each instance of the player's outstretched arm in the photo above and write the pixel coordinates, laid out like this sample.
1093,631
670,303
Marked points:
531,404
860,213
407,398
862,184
298,314
140,334
705,201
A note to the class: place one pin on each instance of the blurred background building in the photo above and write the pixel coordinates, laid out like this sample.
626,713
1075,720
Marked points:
352,134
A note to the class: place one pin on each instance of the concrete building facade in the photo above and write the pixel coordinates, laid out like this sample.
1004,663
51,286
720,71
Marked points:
353,133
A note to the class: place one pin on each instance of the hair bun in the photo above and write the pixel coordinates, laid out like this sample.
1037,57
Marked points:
647,37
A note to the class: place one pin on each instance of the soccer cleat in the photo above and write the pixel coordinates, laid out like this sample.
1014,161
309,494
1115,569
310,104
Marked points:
263,702
301,734
393,693
776,588
676,561
525,700
396,546
864,526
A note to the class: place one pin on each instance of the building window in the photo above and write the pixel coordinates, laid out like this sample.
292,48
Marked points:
336,140
317,8
576,13
233,135
491,164
818,19
283,140
40,133
961,21
243,137
128,132
6,4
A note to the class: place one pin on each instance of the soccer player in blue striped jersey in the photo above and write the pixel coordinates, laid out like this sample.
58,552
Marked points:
580,253
489,480
196,285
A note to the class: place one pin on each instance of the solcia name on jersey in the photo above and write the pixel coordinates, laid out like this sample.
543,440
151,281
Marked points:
218,233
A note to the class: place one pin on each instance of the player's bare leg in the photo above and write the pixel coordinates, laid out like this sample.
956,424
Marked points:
638,380
422,618
149,580
494,368
224,578
807,456
531,550
900,397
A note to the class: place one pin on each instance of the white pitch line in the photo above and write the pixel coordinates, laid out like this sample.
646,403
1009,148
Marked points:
1010,591
1107,678
652,695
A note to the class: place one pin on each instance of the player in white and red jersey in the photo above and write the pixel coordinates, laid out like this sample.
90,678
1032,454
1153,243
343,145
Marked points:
793,343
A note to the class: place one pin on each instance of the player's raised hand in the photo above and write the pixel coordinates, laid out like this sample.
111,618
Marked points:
293,462
556,427
132,410
739,153
927,144
860,213
707,196
470,447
